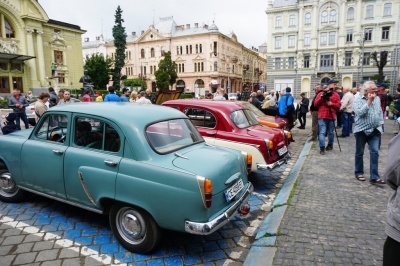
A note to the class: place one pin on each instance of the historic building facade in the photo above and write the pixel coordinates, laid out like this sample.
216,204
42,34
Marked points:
311,41
206,59
30,43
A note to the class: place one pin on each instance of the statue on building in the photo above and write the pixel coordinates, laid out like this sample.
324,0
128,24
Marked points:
53,69
300,58
340,54
87,83
8,47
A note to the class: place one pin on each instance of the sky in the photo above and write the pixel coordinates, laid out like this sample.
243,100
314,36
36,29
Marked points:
247,19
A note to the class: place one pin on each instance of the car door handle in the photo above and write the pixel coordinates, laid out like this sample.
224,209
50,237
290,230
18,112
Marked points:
111,163
210,133
58,152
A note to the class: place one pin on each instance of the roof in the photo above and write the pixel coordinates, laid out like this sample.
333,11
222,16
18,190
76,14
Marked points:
122,113
284,3
64,24
165,26
223,106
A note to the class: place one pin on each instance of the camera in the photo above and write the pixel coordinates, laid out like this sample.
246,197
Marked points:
326,95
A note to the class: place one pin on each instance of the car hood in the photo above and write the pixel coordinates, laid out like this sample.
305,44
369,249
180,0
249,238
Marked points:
217,164
22,133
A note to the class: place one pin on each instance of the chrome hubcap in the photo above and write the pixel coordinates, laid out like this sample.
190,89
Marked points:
131,226
8,188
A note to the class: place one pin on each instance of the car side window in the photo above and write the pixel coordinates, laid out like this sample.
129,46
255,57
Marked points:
96,134
200,118
53,128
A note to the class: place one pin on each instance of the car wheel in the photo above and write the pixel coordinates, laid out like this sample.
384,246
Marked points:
9,191
134,228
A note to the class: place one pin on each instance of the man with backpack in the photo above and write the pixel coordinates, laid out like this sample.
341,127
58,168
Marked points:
286,107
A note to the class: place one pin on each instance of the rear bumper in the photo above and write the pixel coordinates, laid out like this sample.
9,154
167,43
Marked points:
221,220
263,167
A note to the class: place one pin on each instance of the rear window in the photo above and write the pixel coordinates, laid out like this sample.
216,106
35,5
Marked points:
243,118
168,136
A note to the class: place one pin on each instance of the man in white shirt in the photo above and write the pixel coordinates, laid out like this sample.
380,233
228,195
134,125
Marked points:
346,112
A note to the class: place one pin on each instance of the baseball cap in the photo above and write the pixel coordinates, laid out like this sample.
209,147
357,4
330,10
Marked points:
331,81
381,84
10,117
97,93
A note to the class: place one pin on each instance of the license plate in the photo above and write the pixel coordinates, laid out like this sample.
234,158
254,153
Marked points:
282,150
234,190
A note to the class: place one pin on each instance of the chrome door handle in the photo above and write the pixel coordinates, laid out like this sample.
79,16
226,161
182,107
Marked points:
58,152
111,163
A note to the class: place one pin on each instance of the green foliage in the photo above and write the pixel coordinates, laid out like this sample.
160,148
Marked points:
119,35
376,79
98,69
186,96
380,64
166,72
134,83
3,103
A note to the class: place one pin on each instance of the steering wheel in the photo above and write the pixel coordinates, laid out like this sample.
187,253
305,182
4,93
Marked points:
63,136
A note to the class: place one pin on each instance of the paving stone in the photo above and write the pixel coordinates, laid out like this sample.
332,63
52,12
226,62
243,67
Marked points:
23,248
71,252
25,258
46,255
54,263
12,240
43,245
7,260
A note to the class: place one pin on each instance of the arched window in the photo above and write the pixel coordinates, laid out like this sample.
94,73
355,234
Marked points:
10,33
307,19
142,53
332,17
350,14
278,22
292,20
152,53
324,16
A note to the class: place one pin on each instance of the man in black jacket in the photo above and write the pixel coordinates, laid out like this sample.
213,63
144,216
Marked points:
303,110
17,102
10,125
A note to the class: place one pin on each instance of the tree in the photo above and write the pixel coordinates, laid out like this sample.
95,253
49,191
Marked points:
380,64
134,83
120,45
98,69
166,72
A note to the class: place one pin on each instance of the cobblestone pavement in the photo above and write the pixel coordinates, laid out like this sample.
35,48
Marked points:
333,218
45,232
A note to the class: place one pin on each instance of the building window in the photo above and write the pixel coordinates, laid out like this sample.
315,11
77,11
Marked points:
332,37
278,63
307,39
323,38
187,49
327,60
307,19
152,53
180,50
61,78
366,59
349,35
292,20
291,62
197,48
177,50
368,34
278,42
215,66
291,40
202,66
347,58
278,22
350,14
370,11
58,57
385,33
195,67
200,48
387,9
306,61
142,53
162,51
332,17
9,31
324,16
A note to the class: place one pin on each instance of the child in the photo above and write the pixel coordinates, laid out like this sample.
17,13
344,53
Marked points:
99,98
10,125
86,97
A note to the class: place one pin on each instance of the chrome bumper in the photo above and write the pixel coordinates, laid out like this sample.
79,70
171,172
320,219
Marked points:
263,167
221,220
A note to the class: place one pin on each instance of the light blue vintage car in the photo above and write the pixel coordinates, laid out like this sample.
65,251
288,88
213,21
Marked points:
145,166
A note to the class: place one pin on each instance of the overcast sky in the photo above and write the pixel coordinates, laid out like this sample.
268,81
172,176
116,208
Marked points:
247,19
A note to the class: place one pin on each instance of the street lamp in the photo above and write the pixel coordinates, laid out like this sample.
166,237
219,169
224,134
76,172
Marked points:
227,85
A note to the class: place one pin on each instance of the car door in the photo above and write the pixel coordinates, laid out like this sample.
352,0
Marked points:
42,155
205,122
92,161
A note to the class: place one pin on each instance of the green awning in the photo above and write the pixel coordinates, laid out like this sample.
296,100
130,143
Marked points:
15,57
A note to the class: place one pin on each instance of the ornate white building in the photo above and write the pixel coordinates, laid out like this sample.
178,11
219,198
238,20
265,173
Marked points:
205,58
311,41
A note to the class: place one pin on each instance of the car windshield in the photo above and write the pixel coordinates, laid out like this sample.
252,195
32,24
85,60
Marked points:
232,95
243,118
168,136
257,112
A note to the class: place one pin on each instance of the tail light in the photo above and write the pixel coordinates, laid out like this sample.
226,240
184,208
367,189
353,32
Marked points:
248,160
288,135
206,188
269,144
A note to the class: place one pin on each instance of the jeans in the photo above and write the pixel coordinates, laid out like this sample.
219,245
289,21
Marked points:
325,126
346,122
24,119
373,141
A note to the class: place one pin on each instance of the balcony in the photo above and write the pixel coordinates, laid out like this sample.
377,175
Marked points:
326,69
234,59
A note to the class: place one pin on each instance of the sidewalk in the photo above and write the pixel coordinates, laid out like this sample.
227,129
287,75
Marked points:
333,218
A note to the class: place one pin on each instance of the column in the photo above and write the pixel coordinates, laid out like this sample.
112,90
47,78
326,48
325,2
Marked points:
31,52
40,57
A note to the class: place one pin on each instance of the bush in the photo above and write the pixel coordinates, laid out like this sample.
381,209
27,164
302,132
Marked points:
186,96
4,103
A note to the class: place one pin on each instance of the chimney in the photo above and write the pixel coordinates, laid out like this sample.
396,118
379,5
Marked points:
196,25
134,33
187,26
205,26
142,32
97,38
86,39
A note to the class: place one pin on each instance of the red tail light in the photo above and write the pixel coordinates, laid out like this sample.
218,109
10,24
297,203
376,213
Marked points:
249,162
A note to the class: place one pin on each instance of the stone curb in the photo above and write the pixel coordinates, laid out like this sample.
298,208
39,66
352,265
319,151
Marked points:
263,250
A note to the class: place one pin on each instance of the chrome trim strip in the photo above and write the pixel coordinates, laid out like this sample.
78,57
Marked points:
62,200
86,189
181,156
263,167
212,226
200,182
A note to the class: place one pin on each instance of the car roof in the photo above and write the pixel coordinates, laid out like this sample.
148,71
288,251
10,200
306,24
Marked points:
122,112
225,106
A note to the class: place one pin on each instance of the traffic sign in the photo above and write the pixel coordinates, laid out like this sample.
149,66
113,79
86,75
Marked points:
228,87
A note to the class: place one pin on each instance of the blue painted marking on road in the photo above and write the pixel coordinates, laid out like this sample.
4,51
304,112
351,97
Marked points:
213,255
191,259
173,261
160,253
89,232
101,240
271,224
84,240
124,257
138,257
209,246
71,234
109,249
155,263
265,242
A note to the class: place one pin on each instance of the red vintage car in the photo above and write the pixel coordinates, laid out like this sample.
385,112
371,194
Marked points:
231,124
